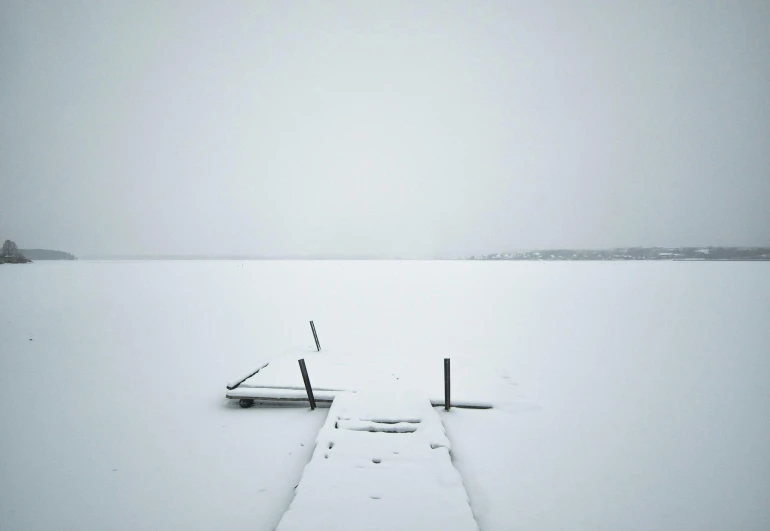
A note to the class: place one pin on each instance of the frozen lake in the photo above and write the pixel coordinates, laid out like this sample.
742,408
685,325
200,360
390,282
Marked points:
632,395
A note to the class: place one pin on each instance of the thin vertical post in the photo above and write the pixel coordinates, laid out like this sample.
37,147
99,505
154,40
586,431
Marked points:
315,336
306,379
447,400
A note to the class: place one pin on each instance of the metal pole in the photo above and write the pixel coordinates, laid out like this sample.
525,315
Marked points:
315,336
306,379
447,402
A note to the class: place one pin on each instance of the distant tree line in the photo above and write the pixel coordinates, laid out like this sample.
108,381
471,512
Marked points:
47,254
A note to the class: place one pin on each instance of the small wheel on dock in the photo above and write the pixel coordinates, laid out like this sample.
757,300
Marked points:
246,402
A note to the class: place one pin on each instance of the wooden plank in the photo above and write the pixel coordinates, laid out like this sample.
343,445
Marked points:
235,385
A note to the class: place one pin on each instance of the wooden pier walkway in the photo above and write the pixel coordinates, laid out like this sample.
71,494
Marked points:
381,462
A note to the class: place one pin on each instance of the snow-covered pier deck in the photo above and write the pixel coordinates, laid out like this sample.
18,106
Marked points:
381,461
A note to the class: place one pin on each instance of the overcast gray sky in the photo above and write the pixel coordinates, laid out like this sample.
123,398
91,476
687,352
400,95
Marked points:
398,128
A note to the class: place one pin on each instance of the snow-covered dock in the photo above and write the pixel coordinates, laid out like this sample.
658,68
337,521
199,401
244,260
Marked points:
381,461
278,396
279,382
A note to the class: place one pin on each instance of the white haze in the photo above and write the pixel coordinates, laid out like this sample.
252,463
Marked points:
391,128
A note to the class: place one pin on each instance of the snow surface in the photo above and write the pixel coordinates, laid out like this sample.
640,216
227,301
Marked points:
629,395
381,462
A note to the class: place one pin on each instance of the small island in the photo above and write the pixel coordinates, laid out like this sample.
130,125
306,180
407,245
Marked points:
10,254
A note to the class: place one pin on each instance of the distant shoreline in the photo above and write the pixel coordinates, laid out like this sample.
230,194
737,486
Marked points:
692,254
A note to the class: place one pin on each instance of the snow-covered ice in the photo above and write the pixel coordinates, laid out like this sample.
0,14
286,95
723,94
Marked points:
628,395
